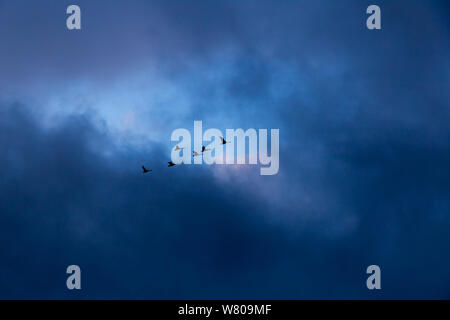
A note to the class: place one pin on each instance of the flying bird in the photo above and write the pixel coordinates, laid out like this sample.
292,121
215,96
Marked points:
178,148
196,154
145,170
204,149
171,164
223,140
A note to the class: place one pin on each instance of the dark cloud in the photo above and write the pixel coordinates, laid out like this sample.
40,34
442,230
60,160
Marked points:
363,179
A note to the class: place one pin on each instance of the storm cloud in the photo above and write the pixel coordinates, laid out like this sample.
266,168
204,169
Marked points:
364,150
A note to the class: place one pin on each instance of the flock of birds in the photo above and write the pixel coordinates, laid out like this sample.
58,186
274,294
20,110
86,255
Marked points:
195,154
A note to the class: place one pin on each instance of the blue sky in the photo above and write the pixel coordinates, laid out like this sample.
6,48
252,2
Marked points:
364,149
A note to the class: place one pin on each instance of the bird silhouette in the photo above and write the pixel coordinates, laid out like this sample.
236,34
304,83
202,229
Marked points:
196,154
223,140
178,148
171,164
204,149
145,170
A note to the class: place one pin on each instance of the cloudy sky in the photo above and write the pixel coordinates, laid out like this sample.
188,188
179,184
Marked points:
364,172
